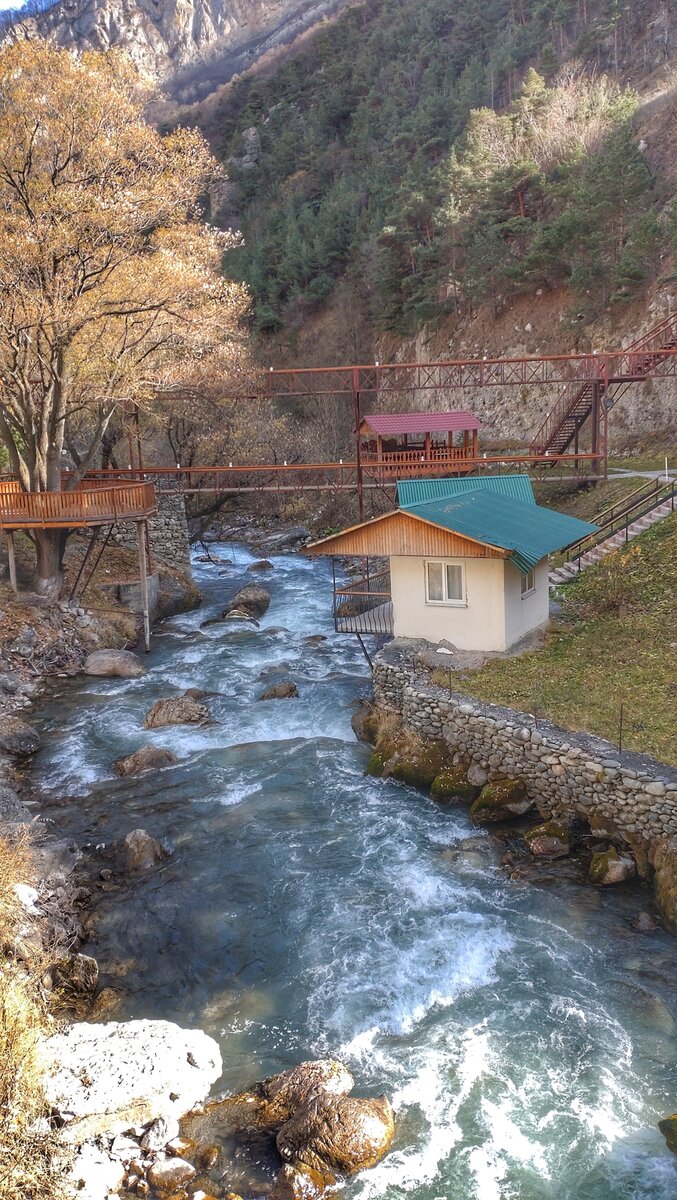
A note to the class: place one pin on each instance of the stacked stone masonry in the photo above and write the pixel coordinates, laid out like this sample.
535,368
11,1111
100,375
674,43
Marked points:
168,532
567,774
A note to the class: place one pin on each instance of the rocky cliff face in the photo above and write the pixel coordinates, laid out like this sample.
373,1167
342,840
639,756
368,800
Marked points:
191,46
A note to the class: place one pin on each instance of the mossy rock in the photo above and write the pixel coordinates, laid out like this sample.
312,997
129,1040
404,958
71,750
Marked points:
452,784
500,801
668,1127
370,726
418,764
608,867
376,765
550,840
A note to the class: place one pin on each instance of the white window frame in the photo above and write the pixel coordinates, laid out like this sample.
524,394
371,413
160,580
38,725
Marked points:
528,583
444,563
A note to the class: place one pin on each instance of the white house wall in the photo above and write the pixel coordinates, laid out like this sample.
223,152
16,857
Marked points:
478,625
524,613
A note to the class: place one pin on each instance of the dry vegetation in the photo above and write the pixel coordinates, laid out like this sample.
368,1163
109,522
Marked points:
28,1169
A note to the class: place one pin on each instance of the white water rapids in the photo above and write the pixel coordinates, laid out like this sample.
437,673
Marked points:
525,1033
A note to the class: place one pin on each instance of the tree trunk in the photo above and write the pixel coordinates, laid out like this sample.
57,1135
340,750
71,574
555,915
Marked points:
49,547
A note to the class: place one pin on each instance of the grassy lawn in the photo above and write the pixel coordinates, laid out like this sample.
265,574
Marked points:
614,643
587,504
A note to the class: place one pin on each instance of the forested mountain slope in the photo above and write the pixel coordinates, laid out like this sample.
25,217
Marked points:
427,157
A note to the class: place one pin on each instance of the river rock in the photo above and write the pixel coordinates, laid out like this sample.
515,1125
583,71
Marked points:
114,664
102,1079
170,1173
452,784
500,801
337,1133
76,975
140,851
608,867
299,1183
261,565
252,601
668,1127
175,710
315,639
93,1174
280,691
13,811
18,738
550,840
146,758
159,1133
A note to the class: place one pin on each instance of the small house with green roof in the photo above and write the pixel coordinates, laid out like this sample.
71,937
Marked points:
459,560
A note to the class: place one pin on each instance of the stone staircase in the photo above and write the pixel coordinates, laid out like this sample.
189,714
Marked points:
568,571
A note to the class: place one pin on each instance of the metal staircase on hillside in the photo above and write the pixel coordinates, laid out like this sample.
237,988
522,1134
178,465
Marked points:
627,522
605,381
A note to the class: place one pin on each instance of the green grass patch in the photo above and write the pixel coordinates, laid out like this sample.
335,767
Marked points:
614,645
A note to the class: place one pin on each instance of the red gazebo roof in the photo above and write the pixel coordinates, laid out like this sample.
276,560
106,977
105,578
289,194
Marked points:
389,424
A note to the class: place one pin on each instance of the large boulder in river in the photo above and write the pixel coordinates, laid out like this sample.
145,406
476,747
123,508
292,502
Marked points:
261,565
299,1183
452,786
251,601
342,1134
146,758
102,1079
175,710
280,691
550,840
608,867
18,738
114,664
139,851
501,801
668,1127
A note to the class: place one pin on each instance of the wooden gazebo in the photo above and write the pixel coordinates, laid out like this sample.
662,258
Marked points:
402,444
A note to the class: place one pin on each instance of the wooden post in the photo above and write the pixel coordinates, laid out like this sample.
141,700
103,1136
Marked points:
379,447
474,443
143,580
11,559
427,448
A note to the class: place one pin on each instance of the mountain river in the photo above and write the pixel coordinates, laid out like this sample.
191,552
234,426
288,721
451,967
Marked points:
526,1034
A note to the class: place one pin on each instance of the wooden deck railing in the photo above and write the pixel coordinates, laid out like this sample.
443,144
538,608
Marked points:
85,506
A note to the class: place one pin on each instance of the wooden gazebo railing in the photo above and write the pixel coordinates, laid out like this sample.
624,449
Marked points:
85,506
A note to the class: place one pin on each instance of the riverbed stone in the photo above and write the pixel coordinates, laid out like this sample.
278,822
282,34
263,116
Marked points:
114,664
175,710
13,811
452,784
170,1173
93,1174
300,1183
262,565
159,1133
146,758
252,601
668,1127
501,801
608,867
334,1133
280,691
18,738
139,851
550,840
102,1079
75,975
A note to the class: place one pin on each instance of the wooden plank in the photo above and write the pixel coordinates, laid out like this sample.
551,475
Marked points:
400,534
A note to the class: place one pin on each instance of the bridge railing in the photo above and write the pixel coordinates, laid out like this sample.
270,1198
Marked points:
84,506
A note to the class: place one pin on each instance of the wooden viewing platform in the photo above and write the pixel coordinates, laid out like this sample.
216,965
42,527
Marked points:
90,504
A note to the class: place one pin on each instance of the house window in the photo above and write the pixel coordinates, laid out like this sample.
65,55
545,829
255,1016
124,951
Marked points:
444,583
528,583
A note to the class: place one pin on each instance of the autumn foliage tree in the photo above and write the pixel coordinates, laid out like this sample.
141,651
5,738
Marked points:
111,290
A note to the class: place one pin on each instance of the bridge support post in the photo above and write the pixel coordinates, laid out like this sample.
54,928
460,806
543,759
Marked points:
141,536
358,441
11,561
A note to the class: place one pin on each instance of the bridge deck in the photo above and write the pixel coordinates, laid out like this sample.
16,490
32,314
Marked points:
92,504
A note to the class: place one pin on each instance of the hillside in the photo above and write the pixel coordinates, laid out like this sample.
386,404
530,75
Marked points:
191,47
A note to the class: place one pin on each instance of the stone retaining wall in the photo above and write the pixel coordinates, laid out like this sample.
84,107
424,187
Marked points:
568,775
168,532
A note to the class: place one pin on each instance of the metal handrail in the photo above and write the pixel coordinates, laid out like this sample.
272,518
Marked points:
661,496
609,513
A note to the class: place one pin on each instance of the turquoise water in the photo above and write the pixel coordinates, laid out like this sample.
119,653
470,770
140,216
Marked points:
526,1034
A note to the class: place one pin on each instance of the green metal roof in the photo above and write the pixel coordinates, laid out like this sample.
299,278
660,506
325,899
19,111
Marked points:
528,530
418,491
